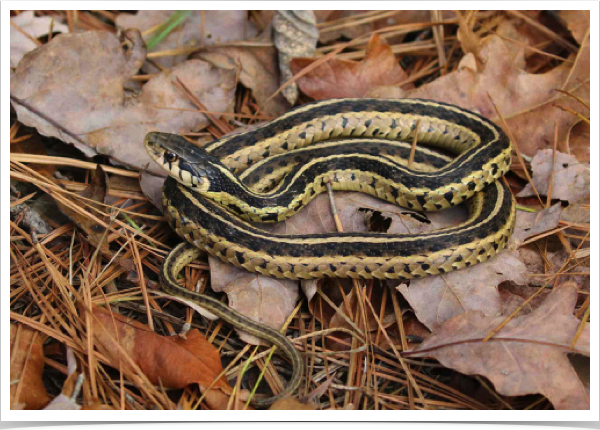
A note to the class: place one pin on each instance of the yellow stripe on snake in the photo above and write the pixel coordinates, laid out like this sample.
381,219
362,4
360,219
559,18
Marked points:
270,173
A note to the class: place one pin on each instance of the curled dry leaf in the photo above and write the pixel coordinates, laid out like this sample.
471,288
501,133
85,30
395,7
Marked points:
85,94
295,35
34,26
528,356
571,178
525,100
200,28
172,361
346,78
27,390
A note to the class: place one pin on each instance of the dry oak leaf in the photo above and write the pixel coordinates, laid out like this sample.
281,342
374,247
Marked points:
172,361
443,297
34,26
571,179
525,100
528,356
27,390
438,299
85,94
199,28
345,78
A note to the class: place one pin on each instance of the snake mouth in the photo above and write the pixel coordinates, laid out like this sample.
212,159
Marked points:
153,148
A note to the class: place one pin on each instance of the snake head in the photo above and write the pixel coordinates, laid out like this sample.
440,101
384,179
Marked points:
187,163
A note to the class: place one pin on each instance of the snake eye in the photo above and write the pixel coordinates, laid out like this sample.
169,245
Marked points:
170,157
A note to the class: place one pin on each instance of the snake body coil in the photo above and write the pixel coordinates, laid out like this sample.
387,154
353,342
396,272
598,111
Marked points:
207,193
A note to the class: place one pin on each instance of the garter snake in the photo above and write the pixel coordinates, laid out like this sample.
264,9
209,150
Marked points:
204,198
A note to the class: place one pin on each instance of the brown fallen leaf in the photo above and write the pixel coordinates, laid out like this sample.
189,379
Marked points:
543,267
34,26
577,21
571,178
171,361
27,390
266,300
441,298
578,141
526,100
528,356
85,95
258,70
200,28
345,78
512,296
530,224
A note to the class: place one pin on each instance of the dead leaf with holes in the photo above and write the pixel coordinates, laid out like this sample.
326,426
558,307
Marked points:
173,362
345,78
571,180
85,94
27,390
528,356
526,100
34,26
199,28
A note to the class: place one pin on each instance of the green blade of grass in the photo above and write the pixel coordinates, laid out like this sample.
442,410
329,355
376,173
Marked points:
173,21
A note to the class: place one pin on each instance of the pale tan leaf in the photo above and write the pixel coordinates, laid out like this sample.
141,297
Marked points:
528,356
85,94
34,26
200,28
